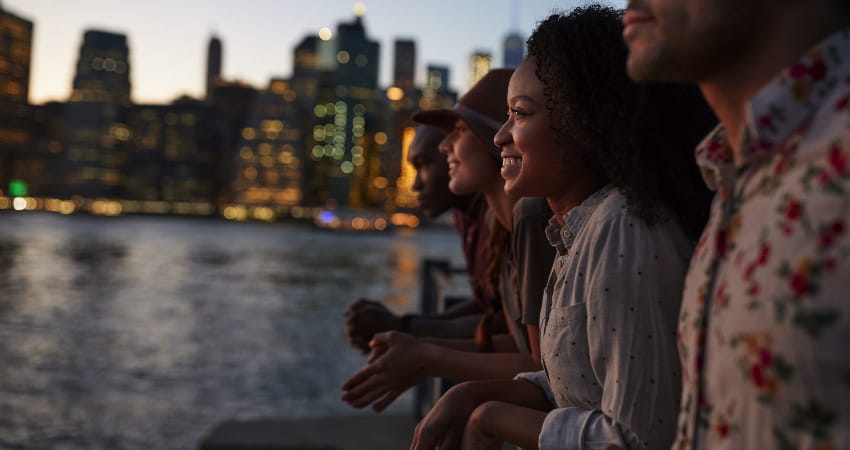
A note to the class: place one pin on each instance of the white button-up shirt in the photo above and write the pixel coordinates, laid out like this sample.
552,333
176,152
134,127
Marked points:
608,326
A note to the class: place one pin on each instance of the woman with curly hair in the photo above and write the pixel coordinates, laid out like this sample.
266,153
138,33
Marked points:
611,159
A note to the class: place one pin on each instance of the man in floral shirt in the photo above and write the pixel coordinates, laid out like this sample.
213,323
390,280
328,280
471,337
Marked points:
764,331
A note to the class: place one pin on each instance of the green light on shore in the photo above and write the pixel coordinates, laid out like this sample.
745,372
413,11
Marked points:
17,188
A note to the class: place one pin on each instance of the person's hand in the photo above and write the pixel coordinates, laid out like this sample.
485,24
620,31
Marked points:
444,425
364,318
395,364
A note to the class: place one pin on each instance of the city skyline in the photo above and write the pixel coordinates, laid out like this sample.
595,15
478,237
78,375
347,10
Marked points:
168,51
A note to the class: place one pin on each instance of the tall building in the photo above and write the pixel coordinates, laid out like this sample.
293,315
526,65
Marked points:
479,65
172,158
513,46
348,144
232,104
267,180
15,113
513,50
404,66
436,92
214,55
97,136
305,70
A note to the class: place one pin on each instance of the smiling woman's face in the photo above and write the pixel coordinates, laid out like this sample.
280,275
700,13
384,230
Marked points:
472,167
534,163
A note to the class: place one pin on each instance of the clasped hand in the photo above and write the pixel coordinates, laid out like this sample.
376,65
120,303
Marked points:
395,364
364,318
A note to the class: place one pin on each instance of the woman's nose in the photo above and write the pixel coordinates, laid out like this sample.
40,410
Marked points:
503,136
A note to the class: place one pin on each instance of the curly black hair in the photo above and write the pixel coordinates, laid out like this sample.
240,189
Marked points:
637,137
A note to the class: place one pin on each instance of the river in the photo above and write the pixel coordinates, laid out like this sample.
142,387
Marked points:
139,332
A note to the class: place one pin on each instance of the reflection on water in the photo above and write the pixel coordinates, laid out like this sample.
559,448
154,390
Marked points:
137,332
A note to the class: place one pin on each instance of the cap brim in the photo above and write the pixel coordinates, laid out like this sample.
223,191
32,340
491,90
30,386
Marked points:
444,119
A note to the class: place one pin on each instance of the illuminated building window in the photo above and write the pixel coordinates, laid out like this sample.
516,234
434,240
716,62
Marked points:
357,160
361,60
188,119
343,57
285,158
250,173
346,167
248,134
380,138
379,182
246,153
265,148
395,93
320,110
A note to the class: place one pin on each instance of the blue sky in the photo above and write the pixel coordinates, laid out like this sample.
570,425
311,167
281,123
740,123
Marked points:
168,38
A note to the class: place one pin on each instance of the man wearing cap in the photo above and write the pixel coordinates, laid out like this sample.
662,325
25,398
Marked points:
366,317
765,318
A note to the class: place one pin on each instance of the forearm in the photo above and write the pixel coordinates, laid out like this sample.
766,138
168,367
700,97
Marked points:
502,343
507,423
463,365
443,327
463,308
515,392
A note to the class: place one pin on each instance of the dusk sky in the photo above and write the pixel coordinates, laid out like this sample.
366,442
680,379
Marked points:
168,38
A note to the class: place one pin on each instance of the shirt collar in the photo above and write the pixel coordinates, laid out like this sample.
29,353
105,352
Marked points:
562,237
780,108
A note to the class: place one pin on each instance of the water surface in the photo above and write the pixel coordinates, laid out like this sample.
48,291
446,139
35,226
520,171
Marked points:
145,332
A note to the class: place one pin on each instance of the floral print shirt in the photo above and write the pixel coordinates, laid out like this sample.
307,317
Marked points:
764,328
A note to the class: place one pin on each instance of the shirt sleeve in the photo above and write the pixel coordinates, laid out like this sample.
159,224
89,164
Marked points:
539,379
576,428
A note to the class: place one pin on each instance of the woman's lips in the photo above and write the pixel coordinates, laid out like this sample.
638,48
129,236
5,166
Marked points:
511,166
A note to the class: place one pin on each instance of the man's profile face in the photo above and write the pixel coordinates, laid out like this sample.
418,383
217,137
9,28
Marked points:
691,40
432,174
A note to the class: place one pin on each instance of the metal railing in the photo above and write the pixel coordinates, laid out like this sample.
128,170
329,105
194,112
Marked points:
434,297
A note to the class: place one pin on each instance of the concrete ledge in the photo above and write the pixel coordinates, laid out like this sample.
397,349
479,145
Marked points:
353,432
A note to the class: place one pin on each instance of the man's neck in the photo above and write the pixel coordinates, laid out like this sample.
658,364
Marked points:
793,32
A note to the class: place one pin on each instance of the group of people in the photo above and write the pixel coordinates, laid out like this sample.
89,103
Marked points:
628,291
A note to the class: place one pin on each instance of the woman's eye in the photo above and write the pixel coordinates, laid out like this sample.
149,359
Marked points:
517,113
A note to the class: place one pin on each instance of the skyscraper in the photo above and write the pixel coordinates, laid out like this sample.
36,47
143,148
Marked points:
15,113
349,142
479,65
97,135
214,54
436,93
404,67
267,178
513,50
513,46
